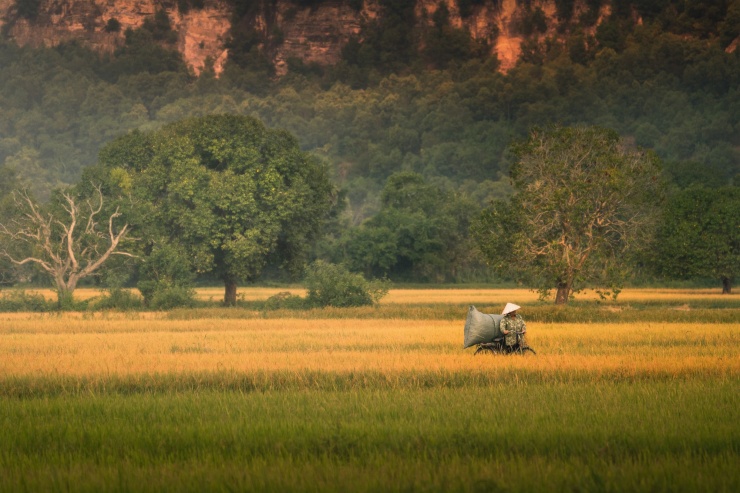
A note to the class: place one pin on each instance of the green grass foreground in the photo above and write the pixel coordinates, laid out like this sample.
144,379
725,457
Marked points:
507,435
641,395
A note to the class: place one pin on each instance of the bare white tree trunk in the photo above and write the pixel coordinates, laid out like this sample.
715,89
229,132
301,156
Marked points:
68,248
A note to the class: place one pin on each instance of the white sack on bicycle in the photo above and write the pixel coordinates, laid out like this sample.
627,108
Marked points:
481,327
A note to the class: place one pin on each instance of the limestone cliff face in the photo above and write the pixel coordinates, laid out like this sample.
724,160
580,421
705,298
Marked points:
317,35
313,34
201,32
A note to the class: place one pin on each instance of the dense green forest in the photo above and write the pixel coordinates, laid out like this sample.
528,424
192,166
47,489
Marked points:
415,123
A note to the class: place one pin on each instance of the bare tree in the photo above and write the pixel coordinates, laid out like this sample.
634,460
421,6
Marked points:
68,243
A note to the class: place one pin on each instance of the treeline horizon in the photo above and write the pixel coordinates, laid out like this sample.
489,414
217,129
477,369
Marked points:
437,123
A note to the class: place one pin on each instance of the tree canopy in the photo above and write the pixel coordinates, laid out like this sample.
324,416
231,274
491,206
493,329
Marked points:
584,201
699,235
420,233
232,192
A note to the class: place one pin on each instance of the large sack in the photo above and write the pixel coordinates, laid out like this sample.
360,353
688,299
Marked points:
481,327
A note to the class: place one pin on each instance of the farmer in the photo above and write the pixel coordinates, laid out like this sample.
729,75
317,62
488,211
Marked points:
511,324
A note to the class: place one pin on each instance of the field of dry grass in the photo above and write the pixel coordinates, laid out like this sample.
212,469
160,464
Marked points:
426,296
641,395
116,345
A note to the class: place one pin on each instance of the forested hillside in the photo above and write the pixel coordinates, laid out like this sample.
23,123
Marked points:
431,103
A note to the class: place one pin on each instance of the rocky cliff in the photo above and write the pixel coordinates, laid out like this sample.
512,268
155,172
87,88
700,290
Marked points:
101,24
314,33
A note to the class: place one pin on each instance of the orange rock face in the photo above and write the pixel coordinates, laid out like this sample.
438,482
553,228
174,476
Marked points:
313,34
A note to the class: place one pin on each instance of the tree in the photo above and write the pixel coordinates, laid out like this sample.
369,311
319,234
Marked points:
66,239
420,233
699,235
8,182
333,285
583,202
233,193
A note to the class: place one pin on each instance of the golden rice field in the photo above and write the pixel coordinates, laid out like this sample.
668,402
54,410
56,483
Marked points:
222,399
453,296
117,345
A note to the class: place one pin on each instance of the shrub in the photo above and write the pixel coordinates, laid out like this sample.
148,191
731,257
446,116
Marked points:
333,285
285,300
168,297
119,299
166,279
113,25
20,301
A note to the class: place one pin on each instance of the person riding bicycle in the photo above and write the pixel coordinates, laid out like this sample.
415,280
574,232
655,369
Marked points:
511,324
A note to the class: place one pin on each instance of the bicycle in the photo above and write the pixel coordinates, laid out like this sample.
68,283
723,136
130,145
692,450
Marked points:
498,346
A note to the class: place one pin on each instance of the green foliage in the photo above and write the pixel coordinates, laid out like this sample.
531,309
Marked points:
159,26
13,300
496,233
419,234
699,235
285,300
166,277
121,300
142,53
61,105
334,285
169,297
8,183
534,22
388,41
238,195
729,28
584,203
445,44
113,25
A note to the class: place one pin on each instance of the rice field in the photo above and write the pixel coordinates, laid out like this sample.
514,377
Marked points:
364,400
462,296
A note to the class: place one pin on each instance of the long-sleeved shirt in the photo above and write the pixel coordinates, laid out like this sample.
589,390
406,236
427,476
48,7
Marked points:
512,324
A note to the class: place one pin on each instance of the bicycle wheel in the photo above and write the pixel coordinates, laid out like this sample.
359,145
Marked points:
495,350
486,349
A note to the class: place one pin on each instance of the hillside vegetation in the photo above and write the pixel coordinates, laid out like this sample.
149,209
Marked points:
664,75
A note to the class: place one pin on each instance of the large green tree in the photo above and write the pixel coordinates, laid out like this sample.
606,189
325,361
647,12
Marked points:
235,194
584,200
420,234
699,235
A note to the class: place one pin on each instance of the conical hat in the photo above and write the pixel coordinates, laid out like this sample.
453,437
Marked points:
510,307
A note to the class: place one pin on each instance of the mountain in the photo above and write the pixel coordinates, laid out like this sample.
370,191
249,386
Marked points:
312,31
439,87
101,25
